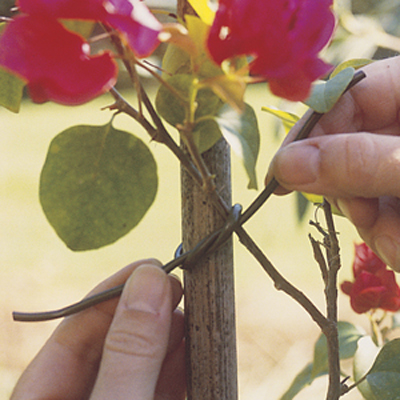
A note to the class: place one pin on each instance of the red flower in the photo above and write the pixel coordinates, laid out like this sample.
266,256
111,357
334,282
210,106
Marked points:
55,62
374,286
283,36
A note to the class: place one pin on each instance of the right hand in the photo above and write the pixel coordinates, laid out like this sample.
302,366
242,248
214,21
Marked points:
353,159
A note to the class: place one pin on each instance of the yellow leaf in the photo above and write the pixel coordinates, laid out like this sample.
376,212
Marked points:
203,10
229,88
317,199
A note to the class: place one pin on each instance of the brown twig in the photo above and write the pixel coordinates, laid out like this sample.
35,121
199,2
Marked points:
331,331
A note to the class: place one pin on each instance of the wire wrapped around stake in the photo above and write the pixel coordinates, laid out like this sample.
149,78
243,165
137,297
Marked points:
206,246
234,222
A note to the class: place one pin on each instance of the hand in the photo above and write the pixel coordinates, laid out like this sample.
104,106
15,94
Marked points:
132,349
353,159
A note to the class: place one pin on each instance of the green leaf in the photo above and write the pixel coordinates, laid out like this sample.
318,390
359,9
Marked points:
300,382
241,132
11,90
179,60
355,63
384,376
301,206
288,119
318,199
363,359
349,335
205,134
168,105
83,28
175,61
173,109
324,95
96,185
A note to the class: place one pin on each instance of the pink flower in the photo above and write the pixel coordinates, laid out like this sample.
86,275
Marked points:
374,285
284,38
366,260
55,62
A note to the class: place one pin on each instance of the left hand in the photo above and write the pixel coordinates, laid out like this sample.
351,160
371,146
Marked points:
130,347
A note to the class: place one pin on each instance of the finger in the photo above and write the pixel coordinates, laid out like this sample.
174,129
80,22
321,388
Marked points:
136,343
346,165
67,365
362,212
172,380
384,236
371,105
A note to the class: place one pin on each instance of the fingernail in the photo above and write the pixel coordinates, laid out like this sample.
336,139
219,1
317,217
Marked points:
388,251
343,207
146,289
297,164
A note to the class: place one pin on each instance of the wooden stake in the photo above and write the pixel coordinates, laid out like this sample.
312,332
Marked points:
209,289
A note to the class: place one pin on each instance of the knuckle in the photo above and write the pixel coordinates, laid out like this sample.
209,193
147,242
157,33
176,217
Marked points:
355,162
136,342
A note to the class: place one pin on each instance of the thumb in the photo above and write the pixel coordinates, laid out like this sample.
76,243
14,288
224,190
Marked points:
137,341
341,165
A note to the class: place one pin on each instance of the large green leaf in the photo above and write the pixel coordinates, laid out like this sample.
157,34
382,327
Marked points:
96,185
302,379
241,131
324,95
205,134
11,90
384,376
363,359
173,108
349,335
168,104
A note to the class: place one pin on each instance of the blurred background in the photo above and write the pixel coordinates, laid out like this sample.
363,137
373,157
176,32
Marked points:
38,272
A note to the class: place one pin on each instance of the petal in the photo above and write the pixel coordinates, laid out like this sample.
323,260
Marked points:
346,287
388,280
366,260
68,9
368,298
297,87
390,303
54,61
137,23
284,37
130,17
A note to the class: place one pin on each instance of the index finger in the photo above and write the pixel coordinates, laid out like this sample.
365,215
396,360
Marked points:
372,105
67,365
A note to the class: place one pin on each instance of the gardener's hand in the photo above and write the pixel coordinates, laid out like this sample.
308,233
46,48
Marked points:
353,158
131,349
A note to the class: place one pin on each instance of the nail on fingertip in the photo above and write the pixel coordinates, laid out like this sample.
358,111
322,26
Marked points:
297,164
146,289
388,251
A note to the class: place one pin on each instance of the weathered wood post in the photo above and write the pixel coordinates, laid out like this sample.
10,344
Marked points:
209,285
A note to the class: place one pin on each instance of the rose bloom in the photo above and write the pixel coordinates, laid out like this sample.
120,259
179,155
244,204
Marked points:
55,62
284,38
374,285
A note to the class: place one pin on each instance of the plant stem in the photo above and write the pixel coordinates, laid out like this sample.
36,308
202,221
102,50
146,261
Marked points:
331,331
